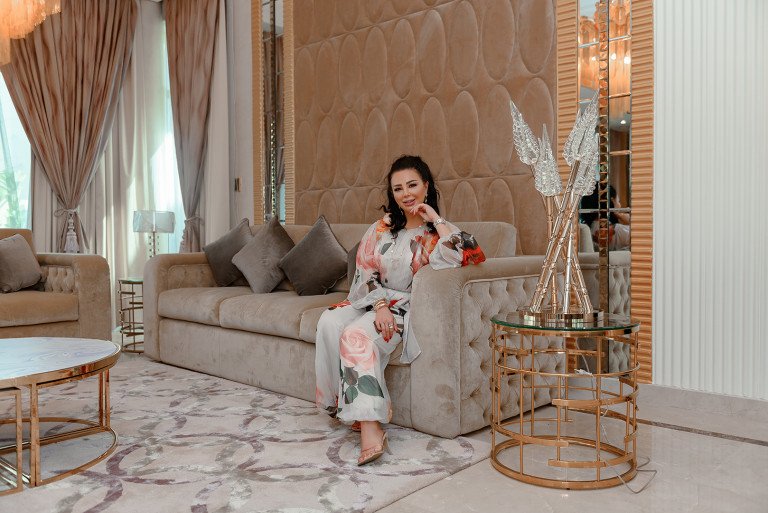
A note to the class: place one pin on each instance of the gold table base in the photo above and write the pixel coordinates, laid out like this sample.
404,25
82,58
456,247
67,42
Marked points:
515,362
130,303
15,471
35,442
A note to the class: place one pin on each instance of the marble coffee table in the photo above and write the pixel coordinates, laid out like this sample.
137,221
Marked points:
43,362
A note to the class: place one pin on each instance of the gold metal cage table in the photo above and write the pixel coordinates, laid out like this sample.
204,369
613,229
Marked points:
587,438
43,362
130,303
11,473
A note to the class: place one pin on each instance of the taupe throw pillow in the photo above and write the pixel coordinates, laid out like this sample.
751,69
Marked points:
259,258
220,253
317,262
18,264
352,263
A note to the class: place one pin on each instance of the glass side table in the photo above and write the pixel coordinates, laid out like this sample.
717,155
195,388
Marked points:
587,438
130,301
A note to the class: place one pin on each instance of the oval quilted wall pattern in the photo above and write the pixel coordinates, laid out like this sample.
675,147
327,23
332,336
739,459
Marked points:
430,77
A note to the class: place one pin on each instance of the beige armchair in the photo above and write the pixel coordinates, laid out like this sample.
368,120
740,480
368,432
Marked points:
73,298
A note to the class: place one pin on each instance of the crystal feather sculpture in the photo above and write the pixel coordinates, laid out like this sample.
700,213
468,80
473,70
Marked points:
581,153
526,144
546,177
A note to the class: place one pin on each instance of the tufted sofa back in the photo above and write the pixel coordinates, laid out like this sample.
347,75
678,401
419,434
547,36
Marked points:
498,239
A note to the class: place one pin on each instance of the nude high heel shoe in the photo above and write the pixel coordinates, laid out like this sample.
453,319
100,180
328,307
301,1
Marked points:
373,453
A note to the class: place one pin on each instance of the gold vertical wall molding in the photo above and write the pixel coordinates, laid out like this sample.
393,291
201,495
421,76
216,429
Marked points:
289,135
567,74
641,284
257,88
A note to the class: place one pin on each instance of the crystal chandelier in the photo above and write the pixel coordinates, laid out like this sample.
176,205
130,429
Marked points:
20,17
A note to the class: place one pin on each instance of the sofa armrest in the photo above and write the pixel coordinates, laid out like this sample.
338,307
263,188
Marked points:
87,276
450,317
166,272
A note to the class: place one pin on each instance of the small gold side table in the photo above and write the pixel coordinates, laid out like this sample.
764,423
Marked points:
130,301
587,399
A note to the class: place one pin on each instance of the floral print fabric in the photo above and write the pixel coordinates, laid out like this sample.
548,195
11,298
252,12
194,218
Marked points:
350,353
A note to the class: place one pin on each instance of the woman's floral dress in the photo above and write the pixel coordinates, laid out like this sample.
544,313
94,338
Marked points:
351,354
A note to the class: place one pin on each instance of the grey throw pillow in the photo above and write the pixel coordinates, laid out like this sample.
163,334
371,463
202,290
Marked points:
352,263
18,264
220,253
317,262
259,258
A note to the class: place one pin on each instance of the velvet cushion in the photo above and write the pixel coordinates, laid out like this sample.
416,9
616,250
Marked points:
317,262
19,268
352,264
220,253
259,258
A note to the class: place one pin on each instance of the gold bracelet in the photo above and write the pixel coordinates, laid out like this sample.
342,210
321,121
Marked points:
381,303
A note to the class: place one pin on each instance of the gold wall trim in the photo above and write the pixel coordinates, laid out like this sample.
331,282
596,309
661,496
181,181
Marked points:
289,137
642,181
567,74
257,85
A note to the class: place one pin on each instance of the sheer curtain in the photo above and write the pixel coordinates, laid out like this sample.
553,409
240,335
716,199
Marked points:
138,168
65,79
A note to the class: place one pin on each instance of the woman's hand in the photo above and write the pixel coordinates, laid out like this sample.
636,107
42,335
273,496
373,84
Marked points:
385,323
426,212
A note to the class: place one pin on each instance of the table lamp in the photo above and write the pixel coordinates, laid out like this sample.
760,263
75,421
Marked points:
153,222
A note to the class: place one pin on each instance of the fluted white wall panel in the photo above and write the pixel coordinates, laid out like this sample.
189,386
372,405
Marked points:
711,196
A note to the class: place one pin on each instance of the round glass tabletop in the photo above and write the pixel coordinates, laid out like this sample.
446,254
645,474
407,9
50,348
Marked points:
608,322
39,359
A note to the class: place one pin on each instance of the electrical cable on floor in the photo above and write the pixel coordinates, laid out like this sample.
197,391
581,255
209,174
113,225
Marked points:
639,468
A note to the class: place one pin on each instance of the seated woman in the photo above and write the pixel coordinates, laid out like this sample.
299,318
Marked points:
356,337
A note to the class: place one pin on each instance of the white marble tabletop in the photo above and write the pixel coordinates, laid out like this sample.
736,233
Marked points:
40,356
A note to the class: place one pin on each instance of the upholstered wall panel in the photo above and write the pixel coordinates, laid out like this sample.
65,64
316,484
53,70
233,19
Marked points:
375,79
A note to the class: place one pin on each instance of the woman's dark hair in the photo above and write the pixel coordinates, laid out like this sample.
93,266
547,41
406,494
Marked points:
591,202
396,215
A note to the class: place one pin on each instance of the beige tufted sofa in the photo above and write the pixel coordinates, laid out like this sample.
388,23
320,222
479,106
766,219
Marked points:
267,340
73,299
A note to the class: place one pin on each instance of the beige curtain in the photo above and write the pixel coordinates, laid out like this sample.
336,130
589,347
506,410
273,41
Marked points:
65,80
191,33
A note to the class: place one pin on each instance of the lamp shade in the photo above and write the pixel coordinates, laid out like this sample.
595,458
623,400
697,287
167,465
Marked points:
153,221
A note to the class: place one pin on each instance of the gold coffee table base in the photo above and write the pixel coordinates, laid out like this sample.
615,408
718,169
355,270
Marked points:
14,470
32,368
33,478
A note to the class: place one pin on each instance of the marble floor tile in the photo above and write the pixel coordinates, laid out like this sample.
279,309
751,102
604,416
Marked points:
696,473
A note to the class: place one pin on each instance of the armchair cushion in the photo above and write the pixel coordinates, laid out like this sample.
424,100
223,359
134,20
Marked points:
259,258
19,268
29,307
220,252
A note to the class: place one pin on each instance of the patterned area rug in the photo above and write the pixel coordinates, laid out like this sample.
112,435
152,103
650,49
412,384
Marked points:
192,442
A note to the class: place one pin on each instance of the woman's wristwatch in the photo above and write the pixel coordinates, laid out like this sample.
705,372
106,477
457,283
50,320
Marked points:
439,220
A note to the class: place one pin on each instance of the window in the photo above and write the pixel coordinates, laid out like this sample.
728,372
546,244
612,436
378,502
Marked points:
15,166
165,176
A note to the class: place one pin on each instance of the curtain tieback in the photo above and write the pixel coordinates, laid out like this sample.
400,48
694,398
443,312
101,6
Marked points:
70,244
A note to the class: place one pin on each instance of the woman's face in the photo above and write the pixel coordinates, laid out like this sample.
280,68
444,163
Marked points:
408,188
